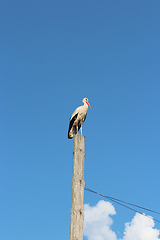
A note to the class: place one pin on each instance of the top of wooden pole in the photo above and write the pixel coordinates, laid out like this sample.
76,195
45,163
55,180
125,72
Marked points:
79,141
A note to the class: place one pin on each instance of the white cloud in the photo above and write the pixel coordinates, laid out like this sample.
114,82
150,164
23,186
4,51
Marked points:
97,222
141,228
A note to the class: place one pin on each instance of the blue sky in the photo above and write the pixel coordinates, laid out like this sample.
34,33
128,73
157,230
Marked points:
53,54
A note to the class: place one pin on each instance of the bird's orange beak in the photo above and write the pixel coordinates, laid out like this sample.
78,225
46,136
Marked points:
88,104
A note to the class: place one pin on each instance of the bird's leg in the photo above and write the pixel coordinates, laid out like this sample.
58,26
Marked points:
77,126
81,128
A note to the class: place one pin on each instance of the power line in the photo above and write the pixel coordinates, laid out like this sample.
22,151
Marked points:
120,202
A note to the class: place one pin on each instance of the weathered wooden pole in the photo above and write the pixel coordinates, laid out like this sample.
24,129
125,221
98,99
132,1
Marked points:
77,214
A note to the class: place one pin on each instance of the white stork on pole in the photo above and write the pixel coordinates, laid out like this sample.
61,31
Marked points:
78,118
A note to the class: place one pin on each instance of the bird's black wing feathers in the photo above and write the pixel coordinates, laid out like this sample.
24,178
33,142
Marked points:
71,123
79,124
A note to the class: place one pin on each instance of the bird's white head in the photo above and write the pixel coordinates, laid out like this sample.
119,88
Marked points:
85,100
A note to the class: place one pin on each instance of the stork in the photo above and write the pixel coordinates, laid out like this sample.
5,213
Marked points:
78,118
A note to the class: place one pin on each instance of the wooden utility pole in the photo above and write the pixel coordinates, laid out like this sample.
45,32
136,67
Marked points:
77,214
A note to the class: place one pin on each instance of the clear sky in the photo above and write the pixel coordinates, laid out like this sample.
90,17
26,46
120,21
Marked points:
53,54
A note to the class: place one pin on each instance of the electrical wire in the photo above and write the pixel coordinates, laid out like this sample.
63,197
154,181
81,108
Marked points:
120,202
123,201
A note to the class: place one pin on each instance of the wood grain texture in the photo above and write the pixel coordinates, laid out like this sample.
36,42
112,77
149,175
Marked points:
77,213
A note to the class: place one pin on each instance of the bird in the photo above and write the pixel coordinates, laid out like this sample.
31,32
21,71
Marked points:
77,119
